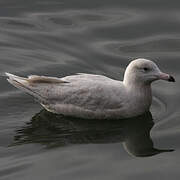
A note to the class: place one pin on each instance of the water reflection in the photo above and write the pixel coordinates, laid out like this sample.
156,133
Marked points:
54,130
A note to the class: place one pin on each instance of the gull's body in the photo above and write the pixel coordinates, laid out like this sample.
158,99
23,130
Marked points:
94,96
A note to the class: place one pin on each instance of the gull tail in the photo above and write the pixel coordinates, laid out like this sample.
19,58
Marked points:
25,85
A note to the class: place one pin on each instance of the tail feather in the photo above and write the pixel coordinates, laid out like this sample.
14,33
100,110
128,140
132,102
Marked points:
24,85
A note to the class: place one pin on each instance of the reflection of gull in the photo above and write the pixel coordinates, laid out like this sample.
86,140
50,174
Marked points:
138,141
95,96
56,130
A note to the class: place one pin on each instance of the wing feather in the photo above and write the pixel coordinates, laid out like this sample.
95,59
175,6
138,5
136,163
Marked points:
44,79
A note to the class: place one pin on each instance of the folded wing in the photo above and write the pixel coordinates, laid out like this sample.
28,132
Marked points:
37,86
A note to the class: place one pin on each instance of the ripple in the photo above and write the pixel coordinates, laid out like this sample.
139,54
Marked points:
83,19
154,45
45,39
144,46
24,24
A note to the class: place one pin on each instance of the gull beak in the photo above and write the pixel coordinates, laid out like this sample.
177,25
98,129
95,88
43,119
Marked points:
166,77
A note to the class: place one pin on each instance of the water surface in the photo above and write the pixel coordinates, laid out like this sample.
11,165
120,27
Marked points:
59,38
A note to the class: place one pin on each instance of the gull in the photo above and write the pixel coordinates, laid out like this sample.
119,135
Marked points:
94,96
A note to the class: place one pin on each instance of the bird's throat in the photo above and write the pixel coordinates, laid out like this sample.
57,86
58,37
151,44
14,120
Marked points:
140,97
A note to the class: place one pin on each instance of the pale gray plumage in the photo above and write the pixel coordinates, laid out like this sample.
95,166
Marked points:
95,96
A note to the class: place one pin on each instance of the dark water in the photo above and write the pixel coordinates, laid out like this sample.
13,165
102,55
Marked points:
57,38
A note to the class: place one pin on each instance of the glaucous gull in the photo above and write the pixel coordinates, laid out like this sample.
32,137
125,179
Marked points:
95,96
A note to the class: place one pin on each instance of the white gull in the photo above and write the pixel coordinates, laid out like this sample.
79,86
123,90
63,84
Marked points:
95,96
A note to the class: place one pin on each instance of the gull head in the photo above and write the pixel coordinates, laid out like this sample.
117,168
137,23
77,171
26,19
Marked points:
143,71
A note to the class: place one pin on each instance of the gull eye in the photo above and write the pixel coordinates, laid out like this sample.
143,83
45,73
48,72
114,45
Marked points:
146,69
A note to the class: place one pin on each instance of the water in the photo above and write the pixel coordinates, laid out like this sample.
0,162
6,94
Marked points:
59,38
